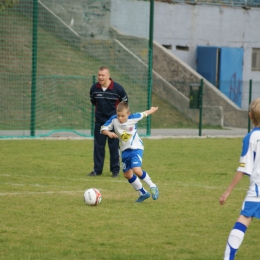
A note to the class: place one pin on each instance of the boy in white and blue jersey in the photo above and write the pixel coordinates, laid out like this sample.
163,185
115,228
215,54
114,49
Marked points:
125,129
249,166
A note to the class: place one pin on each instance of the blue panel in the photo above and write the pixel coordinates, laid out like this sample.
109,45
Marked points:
231,73
207,62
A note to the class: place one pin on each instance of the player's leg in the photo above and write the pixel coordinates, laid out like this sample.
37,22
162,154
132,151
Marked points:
137,185
131,177
134,181
113,144
144,176
99,149
236,236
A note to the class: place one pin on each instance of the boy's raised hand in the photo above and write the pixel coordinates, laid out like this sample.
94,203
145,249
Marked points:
153,109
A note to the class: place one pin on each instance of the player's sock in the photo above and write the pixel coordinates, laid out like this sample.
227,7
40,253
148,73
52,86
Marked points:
137,185
235,239
146,178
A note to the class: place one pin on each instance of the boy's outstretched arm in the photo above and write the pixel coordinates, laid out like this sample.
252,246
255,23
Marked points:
109,134
151,111
238,176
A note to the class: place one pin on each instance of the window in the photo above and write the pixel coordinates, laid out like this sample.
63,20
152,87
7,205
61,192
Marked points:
167,46
182,48
255,59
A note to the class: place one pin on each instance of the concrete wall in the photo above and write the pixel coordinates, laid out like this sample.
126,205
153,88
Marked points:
171,80
168,66
207,25
90,19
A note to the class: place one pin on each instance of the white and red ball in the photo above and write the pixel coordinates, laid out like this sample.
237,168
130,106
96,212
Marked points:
92,197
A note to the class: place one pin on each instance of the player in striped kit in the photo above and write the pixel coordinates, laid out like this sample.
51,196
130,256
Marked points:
125,129
249,166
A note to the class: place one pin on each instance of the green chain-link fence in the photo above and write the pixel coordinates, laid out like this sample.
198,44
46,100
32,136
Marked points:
50,50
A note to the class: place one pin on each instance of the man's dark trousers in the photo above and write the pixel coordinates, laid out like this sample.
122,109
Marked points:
99,150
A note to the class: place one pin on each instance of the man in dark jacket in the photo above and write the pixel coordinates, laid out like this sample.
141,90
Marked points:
105,96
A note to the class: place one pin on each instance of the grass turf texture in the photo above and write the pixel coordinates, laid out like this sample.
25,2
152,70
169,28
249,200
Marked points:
43,215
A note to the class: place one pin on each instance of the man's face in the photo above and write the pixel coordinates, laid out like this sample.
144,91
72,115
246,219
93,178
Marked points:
103,78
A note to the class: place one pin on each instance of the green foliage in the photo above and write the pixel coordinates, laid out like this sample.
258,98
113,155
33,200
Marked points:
7,3
43,215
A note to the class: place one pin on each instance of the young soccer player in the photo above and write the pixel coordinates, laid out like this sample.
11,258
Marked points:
125,127
249,165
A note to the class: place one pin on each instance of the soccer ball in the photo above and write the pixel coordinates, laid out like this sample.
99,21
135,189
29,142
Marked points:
92,197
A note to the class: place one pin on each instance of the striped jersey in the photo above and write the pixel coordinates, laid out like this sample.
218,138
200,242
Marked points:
126,132
250,163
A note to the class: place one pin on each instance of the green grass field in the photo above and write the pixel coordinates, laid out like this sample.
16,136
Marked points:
43,215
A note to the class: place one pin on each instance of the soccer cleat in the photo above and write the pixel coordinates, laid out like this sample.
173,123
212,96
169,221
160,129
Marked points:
155,192
143,197
93,174
115,174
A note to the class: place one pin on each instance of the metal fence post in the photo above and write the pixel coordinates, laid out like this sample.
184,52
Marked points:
200,105
34,67
150,65
249,101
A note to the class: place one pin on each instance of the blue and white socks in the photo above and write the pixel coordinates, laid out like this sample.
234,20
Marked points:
137,185
235,239
146,178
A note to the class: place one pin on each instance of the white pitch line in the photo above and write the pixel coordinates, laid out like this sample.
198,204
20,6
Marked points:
34,185
82,191
39,193
39,177
98,179
87,180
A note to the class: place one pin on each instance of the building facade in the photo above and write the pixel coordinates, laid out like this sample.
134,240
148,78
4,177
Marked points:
182,27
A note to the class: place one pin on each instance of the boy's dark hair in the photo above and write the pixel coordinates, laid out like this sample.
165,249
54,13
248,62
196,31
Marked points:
122,106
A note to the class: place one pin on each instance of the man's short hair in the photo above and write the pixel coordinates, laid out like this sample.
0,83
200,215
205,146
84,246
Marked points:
104,68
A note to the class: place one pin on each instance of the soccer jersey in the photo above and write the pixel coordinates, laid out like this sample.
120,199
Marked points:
250,163
126,132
